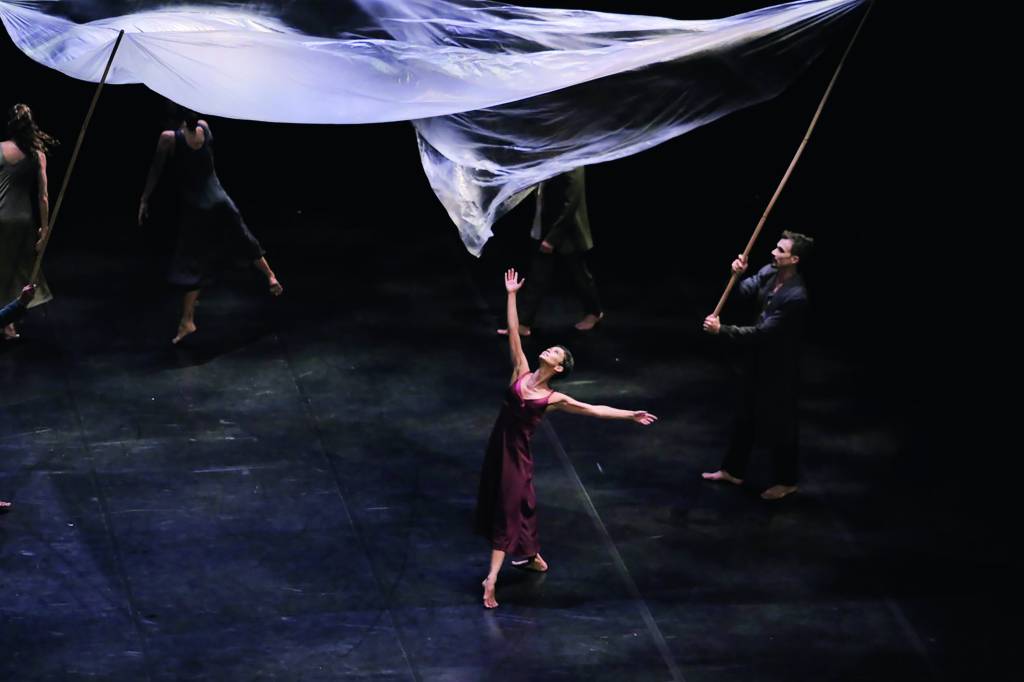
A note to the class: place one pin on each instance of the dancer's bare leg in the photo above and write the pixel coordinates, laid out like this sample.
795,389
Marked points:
188,315
722,475
524,330
491,581
589,321
535,563
263,266
777,492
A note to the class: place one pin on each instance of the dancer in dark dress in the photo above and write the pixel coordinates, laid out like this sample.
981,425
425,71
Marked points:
506,502
212,234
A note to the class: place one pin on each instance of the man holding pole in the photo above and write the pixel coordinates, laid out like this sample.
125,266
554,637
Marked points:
770,365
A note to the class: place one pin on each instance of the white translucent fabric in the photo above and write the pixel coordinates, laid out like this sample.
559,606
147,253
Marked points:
501,96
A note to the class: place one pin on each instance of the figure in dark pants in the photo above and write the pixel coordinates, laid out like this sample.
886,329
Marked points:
770,370
562,229
9,314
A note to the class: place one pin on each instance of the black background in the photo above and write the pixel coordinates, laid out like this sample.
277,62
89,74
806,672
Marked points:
889,277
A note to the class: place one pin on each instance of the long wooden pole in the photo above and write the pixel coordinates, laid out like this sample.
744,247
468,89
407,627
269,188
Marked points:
792,164
71,164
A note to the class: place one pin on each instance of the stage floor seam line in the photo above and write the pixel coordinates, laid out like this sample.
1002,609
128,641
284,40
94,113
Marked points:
322,446
115,549
613,551
895,610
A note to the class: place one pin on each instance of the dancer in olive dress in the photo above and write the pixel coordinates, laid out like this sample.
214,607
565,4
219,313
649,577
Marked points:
212,234
24,207
506,502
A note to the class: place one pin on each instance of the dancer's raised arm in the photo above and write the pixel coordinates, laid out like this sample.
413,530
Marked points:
515,344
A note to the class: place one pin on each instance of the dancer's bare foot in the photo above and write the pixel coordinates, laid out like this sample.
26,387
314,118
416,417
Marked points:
588,322
5,506
489,601
722,475
777,492
11,333
184,329
275,287
535,563
523,331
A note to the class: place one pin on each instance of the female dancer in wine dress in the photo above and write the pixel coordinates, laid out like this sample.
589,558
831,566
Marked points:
506,502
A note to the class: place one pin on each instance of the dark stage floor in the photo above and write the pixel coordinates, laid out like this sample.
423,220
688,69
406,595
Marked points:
289,496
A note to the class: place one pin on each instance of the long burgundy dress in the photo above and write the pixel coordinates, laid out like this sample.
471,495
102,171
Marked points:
506,507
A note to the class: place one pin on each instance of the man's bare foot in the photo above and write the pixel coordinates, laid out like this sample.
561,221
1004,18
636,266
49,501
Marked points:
722,475
489,601
588,322
11,333
275,287
777,492
184,329
5,506
535,563
523,331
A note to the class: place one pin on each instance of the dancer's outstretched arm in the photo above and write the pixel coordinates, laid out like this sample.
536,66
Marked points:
164,146
515,344
560,401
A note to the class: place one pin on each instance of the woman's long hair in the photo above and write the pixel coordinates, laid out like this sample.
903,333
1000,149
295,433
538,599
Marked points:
178,114
26,134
